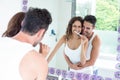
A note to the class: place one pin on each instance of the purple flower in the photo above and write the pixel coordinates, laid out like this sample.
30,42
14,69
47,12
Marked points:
64,74
71,74
93,77
118,39
108,79
51,70
117,74
24,8
118,29
118,48
99,78
25,2
79,76
118,66
85,76
118,57
58,72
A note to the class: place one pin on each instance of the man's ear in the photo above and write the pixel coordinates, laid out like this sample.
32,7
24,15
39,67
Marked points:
22,23
41,33
93,27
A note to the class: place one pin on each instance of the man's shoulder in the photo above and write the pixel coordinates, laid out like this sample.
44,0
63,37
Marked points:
34,60
35,55
96,40
32,63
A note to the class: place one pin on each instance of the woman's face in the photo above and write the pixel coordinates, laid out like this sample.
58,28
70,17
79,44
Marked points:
76,26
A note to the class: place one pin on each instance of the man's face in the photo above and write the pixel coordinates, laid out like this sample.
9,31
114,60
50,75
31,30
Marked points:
87,29
39,37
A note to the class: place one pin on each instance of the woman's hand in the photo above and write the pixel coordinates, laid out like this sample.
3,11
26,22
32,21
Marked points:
75,66
84,44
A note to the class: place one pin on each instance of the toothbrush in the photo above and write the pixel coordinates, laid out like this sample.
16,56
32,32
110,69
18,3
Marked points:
77,33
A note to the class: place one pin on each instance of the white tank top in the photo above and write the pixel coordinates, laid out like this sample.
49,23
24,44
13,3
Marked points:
11,53
90,47
74,55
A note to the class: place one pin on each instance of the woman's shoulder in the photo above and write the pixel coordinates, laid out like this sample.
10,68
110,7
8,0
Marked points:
64,37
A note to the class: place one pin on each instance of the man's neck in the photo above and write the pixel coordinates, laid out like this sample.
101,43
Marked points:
23,38
89,37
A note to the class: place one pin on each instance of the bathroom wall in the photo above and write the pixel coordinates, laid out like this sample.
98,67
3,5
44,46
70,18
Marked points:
8,9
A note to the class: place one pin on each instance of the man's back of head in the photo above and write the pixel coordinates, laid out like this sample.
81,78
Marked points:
36,19
34,25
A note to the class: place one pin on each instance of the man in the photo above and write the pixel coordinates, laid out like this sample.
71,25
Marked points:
19,60
93,40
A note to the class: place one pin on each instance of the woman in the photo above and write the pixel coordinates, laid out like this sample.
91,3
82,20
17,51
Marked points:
14,25
75,44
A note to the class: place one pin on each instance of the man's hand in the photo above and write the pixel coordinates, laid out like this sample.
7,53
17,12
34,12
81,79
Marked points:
75,66
44,49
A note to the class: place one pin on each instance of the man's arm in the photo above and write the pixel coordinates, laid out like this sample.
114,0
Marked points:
84,45
94,52
70,64
33,66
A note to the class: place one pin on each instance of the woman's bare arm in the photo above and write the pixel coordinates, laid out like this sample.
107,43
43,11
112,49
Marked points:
58,45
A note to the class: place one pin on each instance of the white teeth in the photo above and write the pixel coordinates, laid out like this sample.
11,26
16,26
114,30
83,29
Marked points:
77,33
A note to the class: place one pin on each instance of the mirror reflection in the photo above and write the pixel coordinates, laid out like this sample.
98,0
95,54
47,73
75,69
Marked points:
106,29
106,13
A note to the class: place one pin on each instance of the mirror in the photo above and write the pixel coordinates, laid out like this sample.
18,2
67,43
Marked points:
105,64
61,10
107,59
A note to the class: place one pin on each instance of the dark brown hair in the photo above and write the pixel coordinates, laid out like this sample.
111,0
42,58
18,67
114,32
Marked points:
14,25
69,27
36,19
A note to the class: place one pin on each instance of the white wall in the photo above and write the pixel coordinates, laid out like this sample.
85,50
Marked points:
63,19
8,9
